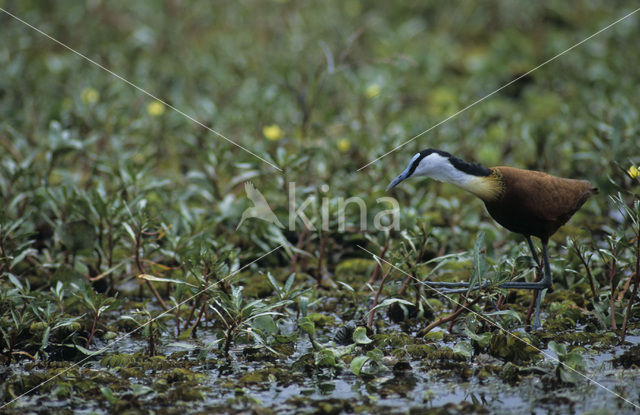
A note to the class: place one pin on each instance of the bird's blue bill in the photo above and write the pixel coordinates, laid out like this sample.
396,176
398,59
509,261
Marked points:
398,179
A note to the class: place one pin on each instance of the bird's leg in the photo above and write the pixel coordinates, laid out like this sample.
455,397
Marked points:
533,250
546,281
466,284
541,285
460,287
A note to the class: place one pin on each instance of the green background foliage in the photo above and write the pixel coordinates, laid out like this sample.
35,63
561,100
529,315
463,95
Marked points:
117,212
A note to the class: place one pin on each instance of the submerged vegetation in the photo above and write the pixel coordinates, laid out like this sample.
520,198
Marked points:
128,283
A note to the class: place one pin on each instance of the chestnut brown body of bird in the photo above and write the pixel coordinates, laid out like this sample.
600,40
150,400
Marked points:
535,203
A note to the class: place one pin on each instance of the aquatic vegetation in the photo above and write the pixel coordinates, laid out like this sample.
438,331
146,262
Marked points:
127,286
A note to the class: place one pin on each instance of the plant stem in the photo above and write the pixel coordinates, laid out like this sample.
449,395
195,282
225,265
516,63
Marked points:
585,262
463,307
375,298
323,242
93,330
141,269
301,241
195,324
534,298
152,342
635,286
612,301
376,270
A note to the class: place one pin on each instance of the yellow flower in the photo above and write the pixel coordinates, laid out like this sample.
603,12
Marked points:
272,132
155,108
89,96
633,172
344,145
372,91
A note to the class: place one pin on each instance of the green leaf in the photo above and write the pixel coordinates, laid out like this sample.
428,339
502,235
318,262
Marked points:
182,345
388,301
574,360
559,348
289,283
139,390
84,350
15,281
130,318
265,324
185,335
479,263
376,355
463,348
283,338
207,348
483,339
357,363
306,325
45,338
325,358
21,257
360,336
149,277
107,393
127,228
347,286
303,304
274,284
511,313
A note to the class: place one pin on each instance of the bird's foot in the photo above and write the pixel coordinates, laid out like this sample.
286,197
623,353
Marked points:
536,323
523,285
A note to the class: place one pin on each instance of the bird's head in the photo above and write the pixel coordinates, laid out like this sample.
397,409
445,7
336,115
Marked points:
442,166
429,163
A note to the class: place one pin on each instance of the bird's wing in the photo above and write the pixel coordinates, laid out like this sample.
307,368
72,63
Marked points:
545,196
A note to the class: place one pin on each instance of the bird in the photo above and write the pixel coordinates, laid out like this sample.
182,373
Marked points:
527,202
260,210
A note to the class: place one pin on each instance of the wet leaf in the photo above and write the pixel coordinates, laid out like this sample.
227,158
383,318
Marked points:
482,339
306,325
360,336
464,349
376,355
265,324
356,364
108,393
325,358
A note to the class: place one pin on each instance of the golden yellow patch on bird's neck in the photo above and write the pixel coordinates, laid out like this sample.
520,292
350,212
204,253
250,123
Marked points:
488,188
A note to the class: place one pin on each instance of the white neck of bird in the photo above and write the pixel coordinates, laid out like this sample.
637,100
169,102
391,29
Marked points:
449,174
439,168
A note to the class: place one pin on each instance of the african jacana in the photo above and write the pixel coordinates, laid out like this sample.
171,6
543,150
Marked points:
528,202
